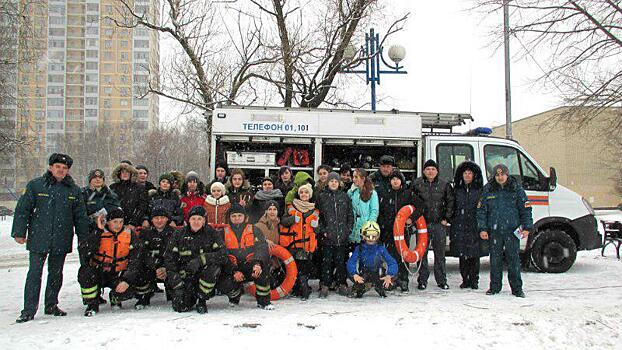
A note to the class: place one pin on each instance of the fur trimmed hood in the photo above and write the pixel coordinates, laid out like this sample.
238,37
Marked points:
116,173
220,201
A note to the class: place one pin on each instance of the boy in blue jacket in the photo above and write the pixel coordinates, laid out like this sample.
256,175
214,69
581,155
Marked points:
366,265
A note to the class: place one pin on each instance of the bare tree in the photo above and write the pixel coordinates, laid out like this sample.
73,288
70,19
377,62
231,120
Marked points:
578,46
16,51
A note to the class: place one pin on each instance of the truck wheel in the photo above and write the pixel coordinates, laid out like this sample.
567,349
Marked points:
553,251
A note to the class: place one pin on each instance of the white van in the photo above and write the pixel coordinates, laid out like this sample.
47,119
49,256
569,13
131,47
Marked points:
260,139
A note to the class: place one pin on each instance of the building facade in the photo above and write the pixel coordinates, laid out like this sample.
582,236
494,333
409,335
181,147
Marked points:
586,159
88,72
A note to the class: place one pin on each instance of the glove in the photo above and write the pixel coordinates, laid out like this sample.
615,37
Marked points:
174,280
194,265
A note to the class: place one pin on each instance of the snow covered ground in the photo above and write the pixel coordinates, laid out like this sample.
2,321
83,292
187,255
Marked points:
578,309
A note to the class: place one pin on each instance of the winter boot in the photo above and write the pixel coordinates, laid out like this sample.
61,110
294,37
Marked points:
24,317
143,302
464,285
422,286
115,303
305,290
323,292
91,309
403,286
343,290
101,300
54,310
519,294
202,307
267,306
381,291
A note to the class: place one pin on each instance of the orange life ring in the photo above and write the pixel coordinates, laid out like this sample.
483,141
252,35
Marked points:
291,271
410,256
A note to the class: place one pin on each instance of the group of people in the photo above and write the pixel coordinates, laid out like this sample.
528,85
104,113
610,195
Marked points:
200,240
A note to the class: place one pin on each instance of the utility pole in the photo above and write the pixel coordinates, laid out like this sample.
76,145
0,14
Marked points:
506,47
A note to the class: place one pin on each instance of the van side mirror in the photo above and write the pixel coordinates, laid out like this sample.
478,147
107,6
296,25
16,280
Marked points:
552,178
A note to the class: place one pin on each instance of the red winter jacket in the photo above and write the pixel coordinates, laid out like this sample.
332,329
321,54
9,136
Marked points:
191,199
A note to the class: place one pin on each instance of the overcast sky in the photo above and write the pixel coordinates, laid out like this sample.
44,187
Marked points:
452,68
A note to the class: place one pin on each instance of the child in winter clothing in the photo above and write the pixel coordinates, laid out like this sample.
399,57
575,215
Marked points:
364,203
298,235
168,197
193,192
365,266
217,205
336,220
265,194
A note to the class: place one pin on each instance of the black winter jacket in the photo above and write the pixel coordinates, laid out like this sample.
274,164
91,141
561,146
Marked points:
391,201
132,195
189,252
438,198
336,218
155,243
169,200
464,235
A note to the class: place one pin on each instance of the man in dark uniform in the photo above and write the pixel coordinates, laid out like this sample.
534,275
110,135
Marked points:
155,240
45,218
194,261
503,218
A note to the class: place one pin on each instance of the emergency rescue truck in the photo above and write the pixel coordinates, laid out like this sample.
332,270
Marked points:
261,139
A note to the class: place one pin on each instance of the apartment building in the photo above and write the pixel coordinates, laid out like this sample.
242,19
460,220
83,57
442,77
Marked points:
87,72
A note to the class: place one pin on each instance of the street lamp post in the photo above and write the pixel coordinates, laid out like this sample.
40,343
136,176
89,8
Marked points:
371,54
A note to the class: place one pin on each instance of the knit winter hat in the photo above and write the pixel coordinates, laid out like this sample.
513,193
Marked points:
60,158
387,160
307,187
504,169
168,177
142,167
267,179
196,210
397,173
116,213
218,185
96,173
236,208
192,176
430,162
333,176
270,203
127,162
160,211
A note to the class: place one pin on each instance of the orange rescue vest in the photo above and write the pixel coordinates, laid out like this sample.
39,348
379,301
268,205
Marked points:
301,234
114,250
241,250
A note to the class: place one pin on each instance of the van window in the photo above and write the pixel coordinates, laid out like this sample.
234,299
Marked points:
521,168
449,156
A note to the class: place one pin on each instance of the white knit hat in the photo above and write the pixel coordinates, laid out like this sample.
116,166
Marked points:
218,185
307,187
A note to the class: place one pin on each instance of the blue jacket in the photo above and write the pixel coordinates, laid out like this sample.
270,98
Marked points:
370,257
363,211
503,209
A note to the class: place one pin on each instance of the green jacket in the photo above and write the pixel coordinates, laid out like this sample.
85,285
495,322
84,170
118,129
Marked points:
503,209
47,213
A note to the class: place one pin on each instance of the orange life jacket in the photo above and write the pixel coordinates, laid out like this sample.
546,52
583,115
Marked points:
241,250
114,250
301,234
